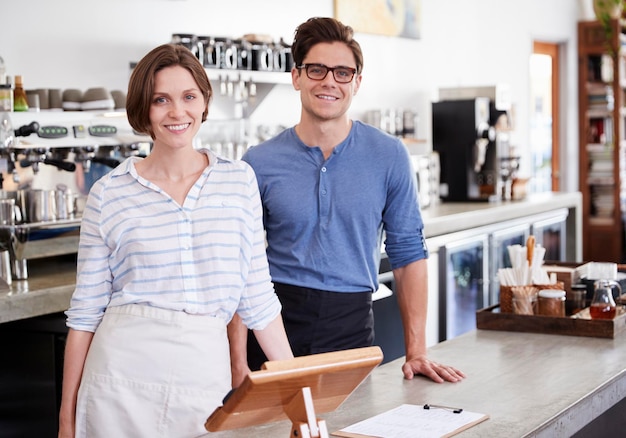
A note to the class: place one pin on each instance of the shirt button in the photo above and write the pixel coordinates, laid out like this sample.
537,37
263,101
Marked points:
323,169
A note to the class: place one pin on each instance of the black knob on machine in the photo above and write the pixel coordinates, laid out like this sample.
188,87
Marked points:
64,165
110,162
26,130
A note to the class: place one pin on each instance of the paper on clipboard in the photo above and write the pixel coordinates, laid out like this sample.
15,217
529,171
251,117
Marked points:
414,421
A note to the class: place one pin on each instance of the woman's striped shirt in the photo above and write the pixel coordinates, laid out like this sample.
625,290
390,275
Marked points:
207,257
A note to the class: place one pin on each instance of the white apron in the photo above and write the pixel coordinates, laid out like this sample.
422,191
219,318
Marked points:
152,373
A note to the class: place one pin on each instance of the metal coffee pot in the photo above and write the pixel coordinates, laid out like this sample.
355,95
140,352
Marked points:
262,56
191,42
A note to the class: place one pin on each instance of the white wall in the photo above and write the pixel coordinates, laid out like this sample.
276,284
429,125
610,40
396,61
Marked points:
88,43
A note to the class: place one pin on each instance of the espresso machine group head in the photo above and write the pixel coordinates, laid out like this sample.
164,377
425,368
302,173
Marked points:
465,136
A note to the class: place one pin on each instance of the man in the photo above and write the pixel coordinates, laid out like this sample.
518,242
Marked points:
330,186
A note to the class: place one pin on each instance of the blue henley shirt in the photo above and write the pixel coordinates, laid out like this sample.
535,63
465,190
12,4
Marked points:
325,219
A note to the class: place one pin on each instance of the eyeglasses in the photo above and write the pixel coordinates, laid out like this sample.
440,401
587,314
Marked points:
318,72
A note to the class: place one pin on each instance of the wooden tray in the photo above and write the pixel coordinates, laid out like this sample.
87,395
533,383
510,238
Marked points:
580,324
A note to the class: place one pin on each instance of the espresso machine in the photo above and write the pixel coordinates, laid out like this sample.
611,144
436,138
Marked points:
45,167
471,135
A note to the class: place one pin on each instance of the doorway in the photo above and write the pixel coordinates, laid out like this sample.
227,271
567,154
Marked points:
544,117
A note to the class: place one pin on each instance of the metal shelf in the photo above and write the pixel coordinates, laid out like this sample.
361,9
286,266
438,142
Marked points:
231,102
258,77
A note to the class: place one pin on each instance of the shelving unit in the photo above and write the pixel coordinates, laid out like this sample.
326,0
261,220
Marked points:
227,86
602,125
260,77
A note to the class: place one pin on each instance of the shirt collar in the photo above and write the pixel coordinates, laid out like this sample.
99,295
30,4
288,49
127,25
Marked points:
337,150
128,165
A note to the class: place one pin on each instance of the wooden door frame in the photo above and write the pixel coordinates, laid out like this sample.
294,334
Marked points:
552,50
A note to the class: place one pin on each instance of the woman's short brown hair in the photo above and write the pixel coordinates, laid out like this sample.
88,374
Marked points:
324,30
141,83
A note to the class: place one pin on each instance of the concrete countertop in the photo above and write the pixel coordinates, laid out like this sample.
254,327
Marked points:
47,290
531,385
51,280
443,218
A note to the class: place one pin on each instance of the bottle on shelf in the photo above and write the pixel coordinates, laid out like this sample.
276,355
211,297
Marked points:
20,102
3,71
6,92
6,97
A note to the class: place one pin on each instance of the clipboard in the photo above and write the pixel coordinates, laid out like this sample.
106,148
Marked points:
296,389
415,421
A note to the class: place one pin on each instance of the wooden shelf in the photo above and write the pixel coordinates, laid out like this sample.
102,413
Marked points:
602,69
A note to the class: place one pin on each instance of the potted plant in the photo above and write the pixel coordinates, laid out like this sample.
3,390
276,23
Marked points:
607,10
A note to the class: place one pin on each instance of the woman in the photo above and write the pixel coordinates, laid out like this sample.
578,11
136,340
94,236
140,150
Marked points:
171,247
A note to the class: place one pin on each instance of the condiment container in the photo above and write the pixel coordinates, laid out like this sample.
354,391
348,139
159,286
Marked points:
551,302
603,305
576,299
524,300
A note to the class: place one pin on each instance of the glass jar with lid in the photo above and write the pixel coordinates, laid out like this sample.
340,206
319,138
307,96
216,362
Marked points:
551,302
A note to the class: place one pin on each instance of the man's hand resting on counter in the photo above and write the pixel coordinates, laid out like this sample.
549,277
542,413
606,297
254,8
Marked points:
435,371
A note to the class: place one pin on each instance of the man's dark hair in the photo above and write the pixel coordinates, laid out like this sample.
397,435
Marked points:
324,30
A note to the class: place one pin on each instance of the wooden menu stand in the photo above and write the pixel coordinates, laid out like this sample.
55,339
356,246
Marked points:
296,389
301,412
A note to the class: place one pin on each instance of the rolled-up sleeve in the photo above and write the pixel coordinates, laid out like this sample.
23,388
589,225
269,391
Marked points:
93,279
402,219
259,304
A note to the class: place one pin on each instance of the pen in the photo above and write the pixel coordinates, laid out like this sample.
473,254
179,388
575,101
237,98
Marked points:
454,410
